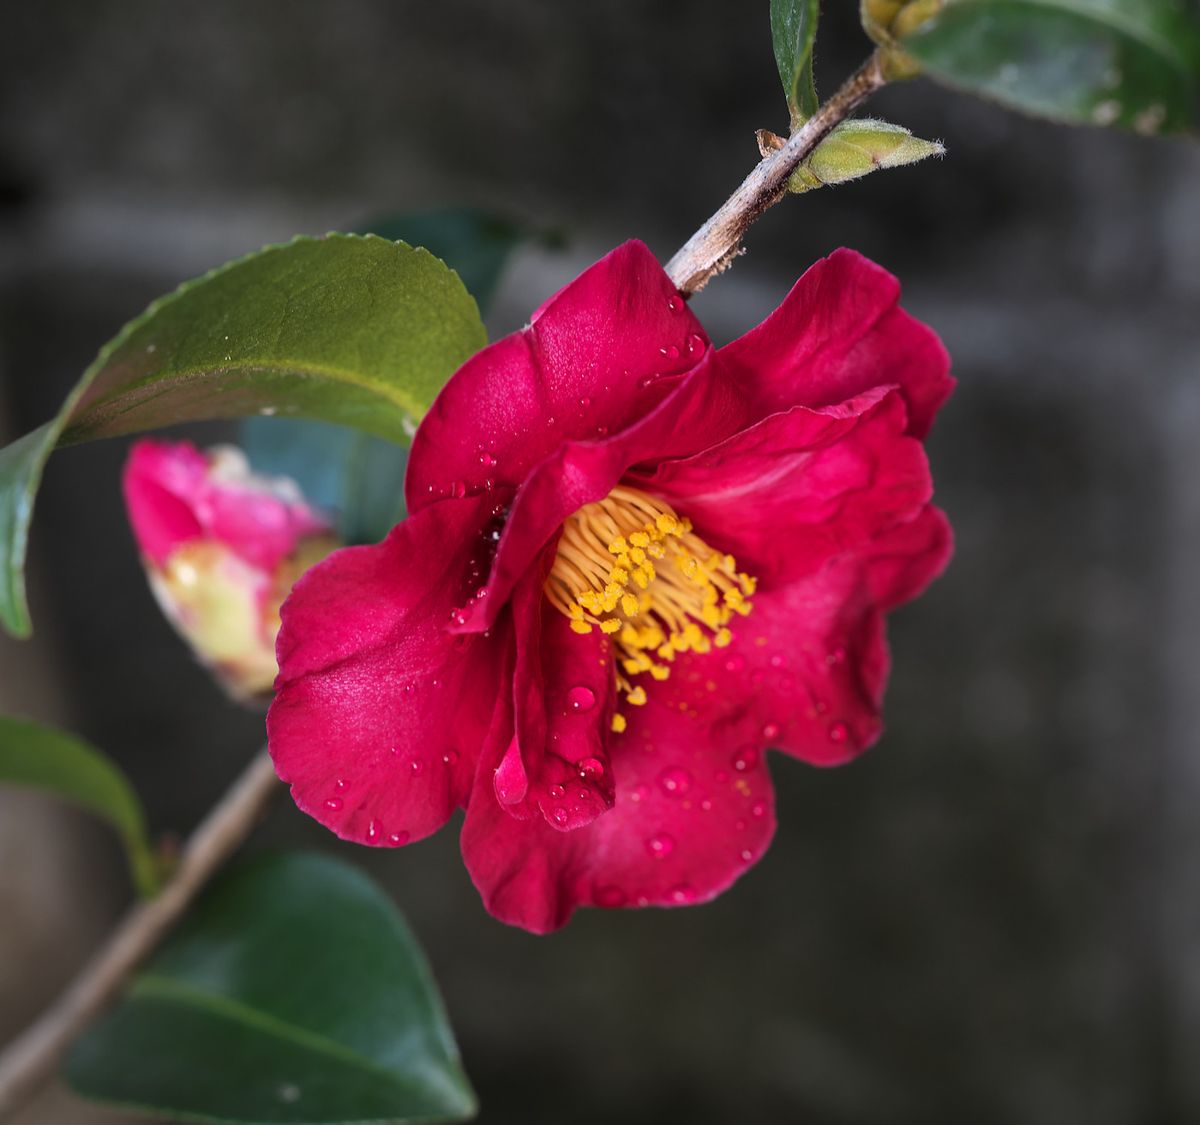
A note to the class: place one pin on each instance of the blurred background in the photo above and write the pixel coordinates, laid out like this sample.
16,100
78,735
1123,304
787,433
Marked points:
993,915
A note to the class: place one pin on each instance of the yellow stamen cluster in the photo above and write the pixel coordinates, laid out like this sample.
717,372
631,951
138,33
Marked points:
630,567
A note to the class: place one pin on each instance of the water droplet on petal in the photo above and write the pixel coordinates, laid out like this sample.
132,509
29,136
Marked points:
591,768
706,805
675,782
838,732
581,698
334,804
610,897
416,768
487,460
770,730
601,431
759,808
458,489
557,792
682,893
561,816
640,793
670,351
398,838
777,661
747,855
450,757
458,616
675,304
373,830
585,402
745,760
340,785
695,343
660,846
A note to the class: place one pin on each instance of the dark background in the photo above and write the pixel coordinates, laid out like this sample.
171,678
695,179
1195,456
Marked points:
992,917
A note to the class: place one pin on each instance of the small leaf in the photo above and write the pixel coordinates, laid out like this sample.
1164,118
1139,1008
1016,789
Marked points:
793,30
294,993
358,331
31,754
1134,63
857,148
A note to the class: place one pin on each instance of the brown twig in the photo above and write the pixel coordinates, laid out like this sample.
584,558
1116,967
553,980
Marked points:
34,1056
711,249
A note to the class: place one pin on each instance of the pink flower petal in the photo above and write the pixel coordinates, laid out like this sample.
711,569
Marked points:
684,827
160,483
790,493
380,712
585,367
837,334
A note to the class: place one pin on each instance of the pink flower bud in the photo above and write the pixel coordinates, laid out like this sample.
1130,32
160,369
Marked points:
222,548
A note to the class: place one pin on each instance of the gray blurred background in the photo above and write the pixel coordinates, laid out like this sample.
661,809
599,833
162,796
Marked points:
993,916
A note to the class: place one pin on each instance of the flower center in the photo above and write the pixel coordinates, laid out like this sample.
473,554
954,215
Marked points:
629,566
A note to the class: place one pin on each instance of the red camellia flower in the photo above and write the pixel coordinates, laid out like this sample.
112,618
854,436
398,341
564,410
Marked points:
632,563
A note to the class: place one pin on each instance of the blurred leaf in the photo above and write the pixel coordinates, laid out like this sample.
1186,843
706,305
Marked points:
358,476
31,754
1134,63
359,331
294,993
857,148
793,30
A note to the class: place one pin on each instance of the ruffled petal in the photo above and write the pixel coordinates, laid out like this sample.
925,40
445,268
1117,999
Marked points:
838,333
380,712
563,697
686,824
806,670
587,365
703,408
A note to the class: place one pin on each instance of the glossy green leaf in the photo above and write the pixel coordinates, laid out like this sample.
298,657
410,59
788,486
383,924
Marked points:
1134,63
355,330
793,31
294,993
39,756
358,476
857,148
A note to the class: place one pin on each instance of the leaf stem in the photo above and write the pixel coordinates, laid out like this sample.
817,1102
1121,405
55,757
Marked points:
714,246
34,1056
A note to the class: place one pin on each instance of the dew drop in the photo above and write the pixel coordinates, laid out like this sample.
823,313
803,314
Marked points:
675,304
561,816
585,402
770,730
745,760
334,804
747,855
340,785
581,698
610,898
601,431
557,792
640,793
777,661
450,757
670,351
706,805
458,489
759,808
416,768
675,782
481,593
660,846
682,893
373,830
695,343
487,460
591,768
458,616
838,732
398,838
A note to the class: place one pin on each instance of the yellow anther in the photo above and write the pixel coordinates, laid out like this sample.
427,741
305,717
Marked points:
652,611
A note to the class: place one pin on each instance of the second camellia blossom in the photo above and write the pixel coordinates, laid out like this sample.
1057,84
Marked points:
633,564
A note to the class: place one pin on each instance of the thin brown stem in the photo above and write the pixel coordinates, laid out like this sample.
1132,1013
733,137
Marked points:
34,1056
711,249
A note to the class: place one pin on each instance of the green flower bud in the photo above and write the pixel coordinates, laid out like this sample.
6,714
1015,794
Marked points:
857,148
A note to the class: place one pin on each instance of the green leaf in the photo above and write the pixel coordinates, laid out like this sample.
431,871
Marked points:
31,754
1132,63
358,476
857,148
358,331
294,993
793,30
